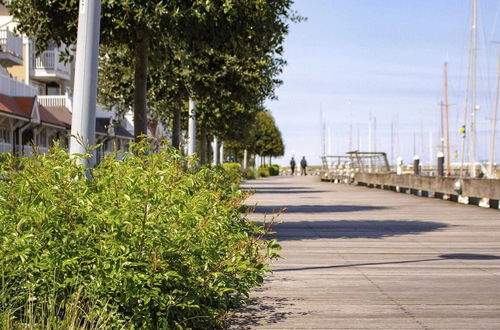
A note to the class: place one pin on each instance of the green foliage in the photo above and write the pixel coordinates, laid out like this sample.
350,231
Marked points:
249,173
225,54
273,170
264,171
145,244
234,171
267,140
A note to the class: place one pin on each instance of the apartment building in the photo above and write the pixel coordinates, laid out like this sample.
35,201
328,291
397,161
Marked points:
36,98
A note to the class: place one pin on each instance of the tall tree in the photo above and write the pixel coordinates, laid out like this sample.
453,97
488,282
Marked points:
127,23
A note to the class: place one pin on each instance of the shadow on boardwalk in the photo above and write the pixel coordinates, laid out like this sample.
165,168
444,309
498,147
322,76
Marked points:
458,256
268,209
375,229
259,311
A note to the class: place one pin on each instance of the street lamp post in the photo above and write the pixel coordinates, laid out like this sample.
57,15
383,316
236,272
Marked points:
87,52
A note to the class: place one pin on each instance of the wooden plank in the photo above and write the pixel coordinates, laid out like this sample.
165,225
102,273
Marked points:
366,258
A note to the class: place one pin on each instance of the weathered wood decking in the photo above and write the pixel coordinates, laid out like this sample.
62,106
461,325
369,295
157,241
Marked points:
359,258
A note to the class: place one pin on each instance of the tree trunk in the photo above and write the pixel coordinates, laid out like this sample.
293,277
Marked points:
176,127
141,84
203,143
209,151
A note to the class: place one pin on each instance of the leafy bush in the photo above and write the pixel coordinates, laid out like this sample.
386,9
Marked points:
250,173
144,244
273,170
264,171
233,170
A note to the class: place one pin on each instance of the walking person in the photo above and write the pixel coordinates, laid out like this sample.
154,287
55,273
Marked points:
292,165
303,165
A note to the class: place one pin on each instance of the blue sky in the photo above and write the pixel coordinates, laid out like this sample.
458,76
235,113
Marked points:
383,57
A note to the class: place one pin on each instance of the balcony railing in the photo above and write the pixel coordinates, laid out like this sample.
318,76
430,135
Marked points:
48,64
56,101
11,43
12,87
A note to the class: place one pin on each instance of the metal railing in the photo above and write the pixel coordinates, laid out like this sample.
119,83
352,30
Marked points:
343,168
11,43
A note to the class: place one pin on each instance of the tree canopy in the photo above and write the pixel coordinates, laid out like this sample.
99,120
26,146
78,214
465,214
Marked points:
225,54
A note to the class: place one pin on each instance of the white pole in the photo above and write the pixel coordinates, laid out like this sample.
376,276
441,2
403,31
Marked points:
491,173
87,52
222,152
350,125
27,57
216,151
431,153
192,128
370,143
245,159
472,141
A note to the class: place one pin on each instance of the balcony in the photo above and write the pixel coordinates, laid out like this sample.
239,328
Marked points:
48,67
11,48
56,101
12,87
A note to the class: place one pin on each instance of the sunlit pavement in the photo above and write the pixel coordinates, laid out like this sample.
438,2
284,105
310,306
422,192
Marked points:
359,258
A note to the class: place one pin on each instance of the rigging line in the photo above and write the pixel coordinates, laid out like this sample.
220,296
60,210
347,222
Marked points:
495,21
484,64
460,81
467,85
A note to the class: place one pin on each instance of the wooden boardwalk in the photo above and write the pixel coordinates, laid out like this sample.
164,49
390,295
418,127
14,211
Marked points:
359,258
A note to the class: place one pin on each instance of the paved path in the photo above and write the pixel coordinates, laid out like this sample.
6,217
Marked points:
359,258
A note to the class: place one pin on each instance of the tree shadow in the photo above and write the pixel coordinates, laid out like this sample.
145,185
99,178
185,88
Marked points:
282,191
277,188
467,256
337,229
260,311
456,256
268,209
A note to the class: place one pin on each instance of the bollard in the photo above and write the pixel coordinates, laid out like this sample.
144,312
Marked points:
440,165
416,165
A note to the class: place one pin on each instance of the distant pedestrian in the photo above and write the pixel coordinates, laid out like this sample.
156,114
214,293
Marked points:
292,165
303,165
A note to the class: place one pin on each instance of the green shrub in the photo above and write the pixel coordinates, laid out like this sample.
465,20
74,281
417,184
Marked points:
234,171
274,170
144,244
250,173
264,171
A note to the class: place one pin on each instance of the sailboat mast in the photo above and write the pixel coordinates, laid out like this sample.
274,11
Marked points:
466,107
350,125
441,107
392,139
447,119
472,141
494,126
323,132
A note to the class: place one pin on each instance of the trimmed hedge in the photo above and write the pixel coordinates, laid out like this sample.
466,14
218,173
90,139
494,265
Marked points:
273,170
144,244
264,171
